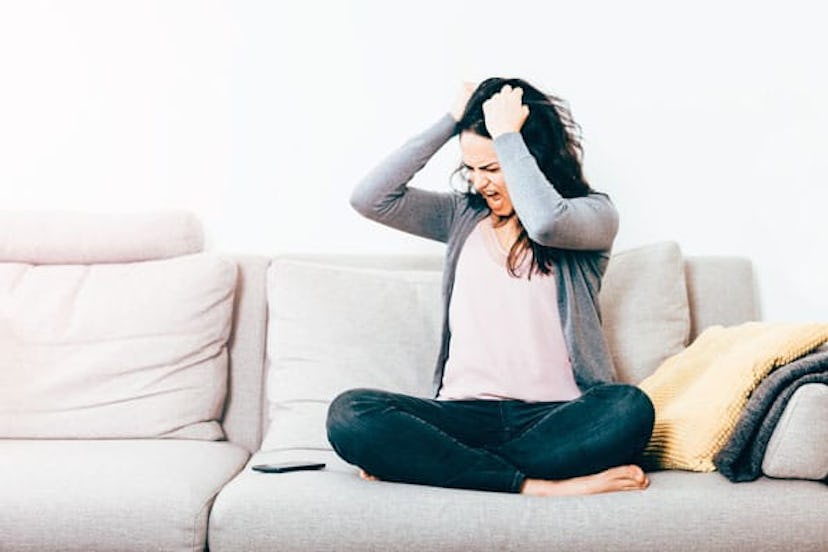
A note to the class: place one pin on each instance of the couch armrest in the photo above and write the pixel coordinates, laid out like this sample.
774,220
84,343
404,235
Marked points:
798,447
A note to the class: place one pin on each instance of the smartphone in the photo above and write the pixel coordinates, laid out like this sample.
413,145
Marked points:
283,467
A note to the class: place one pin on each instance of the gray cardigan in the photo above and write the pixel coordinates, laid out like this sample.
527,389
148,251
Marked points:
583,227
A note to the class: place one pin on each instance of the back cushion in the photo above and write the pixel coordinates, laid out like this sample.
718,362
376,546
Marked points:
646,317
70,237
332,328
115,350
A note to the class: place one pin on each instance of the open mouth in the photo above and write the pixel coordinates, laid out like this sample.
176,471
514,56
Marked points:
493,198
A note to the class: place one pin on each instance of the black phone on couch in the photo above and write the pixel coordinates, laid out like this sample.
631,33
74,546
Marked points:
284,467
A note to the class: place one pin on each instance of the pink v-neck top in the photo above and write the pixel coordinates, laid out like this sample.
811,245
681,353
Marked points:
506,335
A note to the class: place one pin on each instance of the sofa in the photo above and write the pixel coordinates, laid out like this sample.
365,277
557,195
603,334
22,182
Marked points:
154,374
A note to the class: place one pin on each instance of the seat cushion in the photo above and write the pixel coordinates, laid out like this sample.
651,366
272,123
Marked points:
115,350
334,509
111,495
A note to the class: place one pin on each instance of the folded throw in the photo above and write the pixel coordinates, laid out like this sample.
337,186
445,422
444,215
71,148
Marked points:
700,393
741,457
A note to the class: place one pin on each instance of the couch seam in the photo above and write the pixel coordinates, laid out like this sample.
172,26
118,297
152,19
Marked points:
206,504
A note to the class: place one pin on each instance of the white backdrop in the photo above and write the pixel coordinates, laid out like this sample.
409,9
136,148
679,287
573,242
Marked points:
706,123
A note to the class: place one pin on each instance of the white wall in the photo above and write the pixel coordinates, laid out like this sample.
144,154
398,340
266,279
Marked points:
707,123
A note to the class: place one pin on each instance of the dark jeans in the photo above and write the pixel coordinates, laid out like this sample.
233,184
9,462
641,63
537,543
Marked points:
489,445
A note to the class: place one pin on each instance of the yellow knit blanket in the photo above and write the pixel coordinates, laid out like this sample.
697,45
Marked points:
700,393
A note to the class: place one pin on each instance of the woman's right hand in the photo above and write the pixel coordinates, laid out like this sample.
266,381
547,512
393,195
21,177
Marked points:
462,99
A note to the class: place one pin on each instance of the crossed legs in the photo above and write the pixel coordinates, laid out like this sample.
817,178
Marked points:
578,447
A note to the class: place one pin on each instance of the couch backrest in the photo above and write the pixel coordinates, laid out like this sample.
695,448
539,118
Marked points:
721,290
243,407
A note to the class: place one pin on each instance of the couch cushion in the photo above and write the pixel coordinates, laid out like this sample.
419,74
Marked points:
115,350
798,447
331,328
65,237
722,291
334,509
644,308
111,495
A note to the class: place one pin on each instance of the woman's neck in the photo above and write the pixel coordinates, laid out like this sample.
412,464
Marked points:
506,230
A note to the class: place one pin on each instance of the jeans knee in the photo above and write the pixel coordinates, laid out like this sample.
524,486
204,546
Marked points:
347,409
632,404
639,409
342,409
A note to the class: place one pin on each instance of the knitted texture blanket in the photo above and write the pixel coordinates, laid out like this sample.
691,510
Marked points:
741,457
700,393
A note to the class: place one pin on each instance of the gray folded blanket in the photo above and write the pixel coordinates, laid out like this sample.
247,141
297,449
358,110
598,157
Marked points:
741,457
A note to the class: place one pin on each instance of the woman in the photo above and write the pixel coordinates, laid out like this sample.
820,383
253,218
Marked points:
524,400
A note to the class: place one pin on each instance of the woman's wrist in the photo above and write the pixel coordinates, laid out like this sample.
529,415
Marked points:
498,133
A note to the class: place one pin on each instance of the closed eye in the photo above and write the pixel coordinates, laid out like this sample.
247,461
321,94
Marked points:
491,167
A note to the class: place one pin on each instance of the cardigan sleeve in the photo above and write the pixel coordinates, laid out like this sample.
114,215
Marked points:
584,223
384,196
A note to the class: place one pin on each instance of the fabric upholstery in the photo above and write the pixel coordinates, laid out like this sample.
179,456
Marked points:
376,262
798,447
115,350
243,409
646,317
66,237
333,328
699,394
335,510
721,291
105,495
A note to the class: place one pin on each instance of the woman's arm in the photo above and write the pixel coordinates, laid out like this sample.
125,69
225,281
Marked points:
384,196
585,223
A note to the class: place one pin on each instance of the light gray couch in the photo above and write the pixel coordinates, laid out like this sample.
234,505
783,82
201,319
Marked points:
157,494
335,510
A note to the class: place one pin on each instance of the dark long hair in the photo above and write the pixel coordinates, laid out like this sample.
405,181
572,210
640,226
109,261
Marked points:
553,139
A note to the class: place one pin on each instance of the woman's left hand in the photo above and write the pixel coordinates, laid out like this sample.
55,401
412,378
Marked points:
504,111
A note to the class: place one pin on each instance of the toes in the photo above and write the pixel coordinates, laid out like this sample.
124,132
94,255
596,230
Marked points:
636,474
633,477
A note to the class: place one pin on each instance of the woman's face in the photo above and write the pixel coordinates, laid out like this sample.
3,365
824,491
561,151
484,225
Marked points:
482,169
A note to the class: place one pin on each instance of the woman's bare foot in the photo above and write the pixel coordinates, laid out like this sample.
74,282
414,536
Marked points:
621,478
367,476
